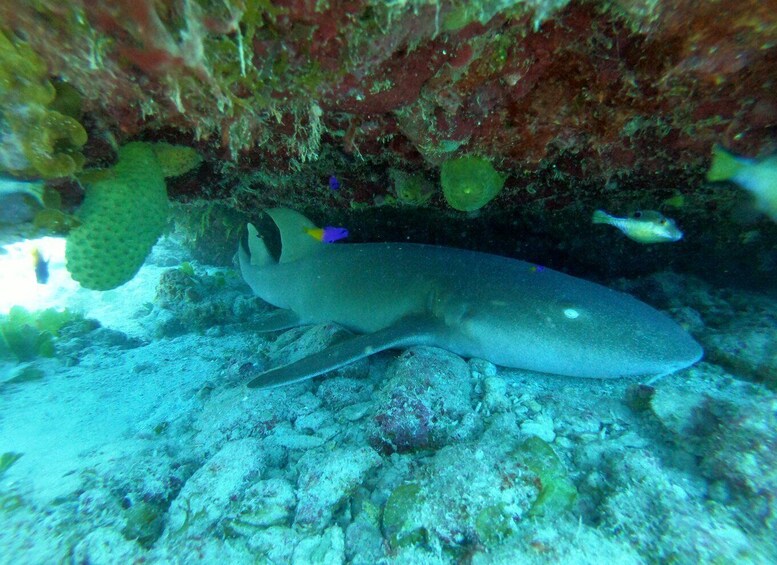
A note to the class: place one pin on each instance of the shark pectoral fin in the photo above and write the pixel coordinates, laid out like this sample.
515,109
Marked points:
406,332
280,319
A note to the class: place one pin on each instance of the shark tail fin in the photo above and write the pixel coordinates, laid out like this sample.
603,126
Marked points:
600,217
724,165
296,242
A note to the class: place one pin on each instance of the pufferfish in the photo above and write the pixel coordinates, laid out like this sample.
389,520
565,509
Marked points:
642,226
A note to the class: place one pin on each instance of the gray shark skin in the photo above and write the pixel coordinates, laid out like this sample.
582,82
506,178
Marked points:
506,311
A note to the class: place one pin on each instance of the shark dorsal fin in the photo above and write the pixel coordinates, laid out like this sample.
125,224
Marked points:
257,250
295,241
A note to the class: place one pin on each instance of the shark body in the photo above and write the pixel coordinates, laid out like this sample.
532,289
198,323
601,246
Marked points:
506,311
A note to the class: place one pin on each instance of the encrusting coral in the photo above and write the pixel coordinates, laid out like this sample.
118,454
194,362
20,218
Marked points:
37,140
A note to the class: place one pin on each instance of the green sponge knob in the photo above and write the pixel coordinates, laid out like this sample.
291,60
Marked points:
122,217
469,183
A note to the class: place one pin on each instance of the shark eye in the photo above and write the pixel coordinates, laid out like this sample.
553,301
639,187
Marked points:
663,222
638,214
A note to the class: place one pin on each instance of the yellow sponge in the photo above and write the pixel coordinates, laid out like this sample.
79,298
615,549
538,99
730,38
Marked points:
122,217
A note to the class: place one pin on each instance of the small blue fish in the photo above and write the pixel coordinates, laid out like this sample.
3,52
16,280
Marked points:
41,266
334,184
329,234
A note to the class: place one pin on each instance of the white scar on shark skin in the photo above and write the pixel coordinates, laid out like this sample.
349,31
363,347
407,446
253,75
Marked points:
503,310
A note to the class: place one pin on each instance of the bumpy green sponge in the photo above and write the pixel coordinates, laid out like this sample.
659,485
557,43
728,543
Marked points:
121,218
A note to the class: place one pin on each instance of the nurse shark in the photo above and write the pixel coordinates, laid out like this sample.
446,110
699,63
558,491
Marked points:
509,312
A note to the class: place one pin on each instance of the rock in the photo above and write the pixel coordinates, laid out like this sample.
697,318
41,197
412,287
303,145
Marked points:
747,349
541,426
738,446
208,495
338,392
328,478
495,394
364,543
423,402
106,546
325,549
650,505
463,495
267,503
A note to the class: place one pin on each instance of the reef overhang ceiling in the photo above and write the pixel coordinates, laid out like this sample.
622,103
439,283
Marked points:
590,91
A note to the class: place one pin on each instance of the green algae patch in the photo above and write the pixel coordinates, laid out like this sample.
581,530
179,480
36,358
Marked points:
144,523
7,459
557,493
55,221
469,183
400,517
27,335
493,524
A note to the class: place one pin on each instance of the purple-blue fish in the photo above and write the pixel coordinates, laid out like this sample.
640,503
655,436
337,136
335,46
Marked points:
329,234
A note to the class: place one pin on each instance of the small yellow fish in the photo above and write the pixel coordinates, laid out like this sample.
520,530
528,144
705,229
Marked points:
759,177
642,226
676,201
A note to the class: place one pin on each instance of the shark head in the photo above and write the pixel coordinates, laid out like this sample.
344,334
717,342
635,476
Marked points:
572,327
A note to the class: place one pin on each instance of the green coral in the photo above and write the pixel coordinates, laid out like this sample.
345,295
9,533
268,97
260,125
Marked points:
470,182
124,213
558,493
37,139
